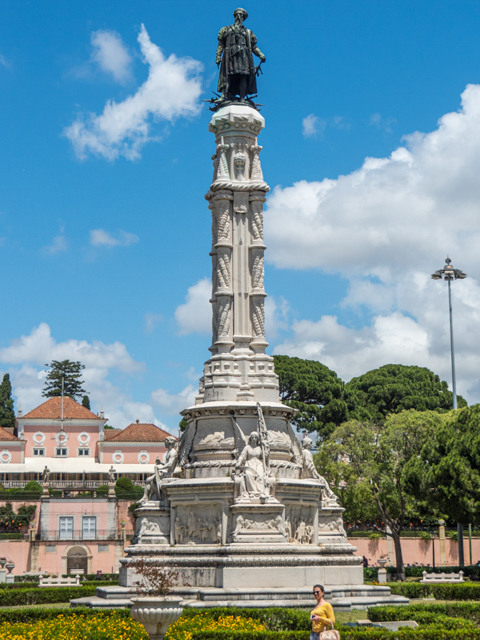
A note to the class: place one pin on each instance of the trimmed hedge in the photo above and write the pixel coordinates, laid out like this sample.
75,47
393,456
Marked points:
43,595
22,586
27,614
347,633
462,591
467,610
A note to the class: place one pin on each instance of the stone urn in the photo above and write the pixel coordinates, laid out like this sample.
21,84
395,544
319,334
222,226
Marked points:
156,613
382,562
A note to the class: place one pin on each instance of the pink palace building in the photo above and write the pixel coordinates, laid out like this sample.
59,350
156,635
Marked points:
74,530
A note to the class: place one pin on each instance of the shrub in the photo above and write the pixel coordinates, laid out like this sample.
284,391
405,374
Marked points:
33,487
102,490
26,596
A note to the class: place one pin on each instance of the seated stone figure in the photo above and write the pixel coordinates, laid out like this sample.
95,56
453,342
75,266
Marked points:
309,470
163,470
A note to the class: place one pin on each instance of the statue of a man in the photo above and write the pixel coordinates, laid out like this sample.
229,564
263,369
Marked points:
165,469
46,475
237,75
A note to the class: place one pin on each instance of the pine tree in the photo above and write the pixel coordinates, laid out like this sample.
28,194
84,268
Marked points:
86,402
7,415
71,374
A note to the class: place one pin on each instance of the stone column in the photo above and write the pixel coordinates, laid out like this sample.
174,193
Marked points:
441,535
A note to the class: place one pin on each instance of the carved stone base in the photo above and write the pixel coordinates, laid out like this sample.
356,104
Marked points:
153,524
258,523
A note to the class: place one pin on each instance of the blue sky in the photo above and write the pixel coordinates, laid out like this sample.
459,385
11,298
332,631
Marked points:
371,149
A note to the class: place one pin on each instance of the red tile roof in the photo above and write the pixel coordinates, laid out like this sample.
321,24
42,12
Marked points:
52,409
137,432
6,434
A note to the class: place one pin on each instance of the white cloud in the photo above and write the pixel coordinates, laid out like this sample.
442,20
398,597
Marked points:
111,55
386,227
195,315
102,238
276,315
28,355
312,126
172,90
59,245
173,403
40,347
4,62
151,321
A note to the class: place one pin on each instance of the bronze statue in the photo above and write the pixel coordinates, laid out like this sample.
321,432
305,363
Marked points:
238,74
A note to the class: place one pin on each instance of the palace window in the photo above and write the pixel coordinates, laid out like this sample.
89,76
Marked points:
84,452
38,451
66,527
89,527
61,452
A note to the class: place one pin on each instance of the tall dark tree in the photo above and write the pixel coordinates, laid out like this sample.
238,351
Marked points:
396,387
71,372
86,402
7,415
315,391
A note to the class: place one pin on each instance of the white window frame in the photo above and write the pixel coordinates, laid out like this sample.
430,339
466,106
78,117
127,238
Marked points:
61,455
64,529
89,533
83,451
37,449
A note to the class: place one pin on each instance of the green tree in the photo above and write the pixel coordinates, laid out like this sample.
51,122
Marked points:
315,391
447,473
86,402
7,415
71,372
124,488
396,387
380,456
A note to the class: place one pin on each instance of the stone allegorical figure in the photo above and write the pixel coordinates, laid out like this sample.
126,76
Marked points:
46,475
165,469
309,470
111,475
237,76
254,478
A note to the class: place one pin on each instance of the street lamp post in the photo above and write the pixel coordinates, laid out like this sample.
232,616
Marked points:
448,273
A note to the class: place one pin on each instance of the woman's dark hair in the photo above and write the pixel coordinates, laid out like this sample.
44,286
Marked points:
319,586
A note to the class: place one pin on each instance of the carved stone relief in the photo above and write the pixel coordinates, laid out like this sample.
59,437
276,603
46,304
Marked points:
331,525
216,439
239,164
198,525
257,525
257,219
223,275
256,172
222,165
258,270
299,525
258,317
240,201
223,220
223,316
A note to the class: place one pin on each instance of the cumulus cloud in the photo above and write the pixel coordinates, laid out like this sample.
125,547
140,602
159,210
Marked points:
173,403
26,357
312,126
111,55
276,315
172,90
40,347
386,227
102,238
195,315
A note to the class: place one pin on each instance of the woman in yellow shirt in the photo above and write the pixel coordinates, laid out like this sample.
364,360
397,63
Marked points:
322,616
